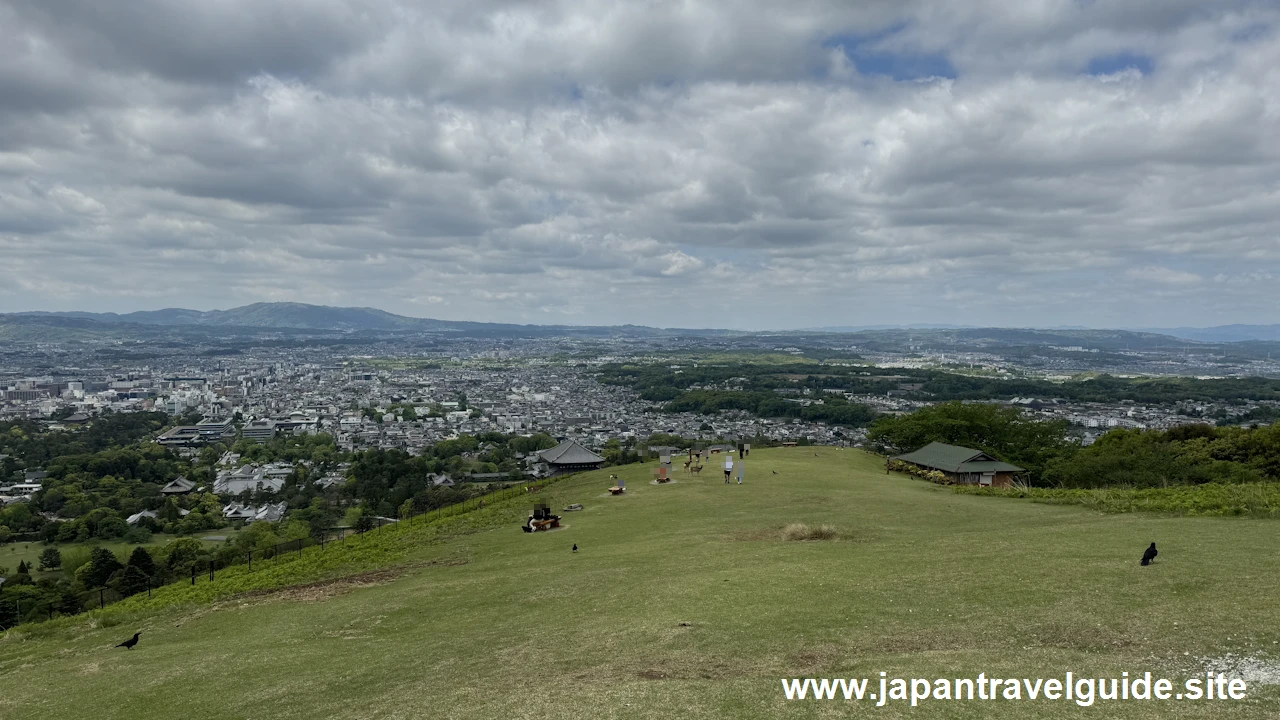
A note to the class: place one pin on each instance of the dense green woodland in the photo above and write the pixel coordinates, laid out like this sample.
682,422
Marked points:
1183,456
101,473
706,388
30,442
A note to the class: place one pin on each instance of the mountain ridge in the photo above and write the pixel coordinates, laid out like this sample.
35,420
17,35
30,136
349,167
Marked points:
292,316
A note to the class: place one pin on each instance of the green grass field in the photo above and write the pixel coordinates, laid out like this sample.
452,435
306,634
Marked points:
502,624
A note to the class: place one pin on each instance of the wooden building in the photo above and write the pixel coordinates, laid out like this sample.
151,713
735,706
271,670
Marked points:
569,457
962,466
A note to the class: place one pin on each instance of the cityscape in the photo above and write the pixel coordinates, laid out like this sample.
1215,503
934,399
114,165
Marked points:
386,360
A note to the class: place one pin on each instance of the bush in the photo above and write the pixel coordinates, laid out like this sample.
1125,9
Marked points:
50,559
800,531
1260,500
137,536
73,559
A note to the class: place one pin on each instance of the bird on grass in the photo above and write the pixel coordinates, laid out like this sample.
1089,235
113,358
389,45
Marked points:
775,472
575,547
1150,555
128,644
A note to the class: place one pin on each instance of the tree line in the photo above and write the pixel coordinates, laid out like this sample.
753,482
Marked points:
1191,454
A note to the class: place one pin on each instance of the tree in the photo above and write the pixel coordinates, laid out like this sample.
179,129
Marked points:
181,554
141,559
5,534
1004,433
101,566
51,559
133,581
22,567
137,536
112,527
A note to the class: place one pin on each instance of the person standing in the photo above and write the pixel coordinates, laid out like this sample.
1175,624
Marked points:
728,468
742,468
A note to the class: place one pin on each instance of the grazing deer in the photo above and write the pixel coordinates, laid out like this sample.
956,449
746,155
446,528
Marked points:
687,463
696,469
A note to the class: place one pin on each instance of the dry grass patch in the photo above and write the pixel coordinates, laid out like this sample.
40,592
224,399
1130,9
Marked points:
800,531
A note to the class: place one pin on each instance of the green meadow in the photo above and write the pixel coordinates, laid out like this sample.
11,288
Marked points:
686,601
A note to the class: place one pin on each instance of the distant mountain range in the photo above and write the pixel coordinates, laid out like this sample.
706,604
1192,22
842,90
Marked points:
863,328
1224,333
263,315
294,318
302,319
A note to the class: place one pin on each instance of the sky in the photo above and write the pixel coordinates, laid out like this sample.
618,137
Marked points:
681,164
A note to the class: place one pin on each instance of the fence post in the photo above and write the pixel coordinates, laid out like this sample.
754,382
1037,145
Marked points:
210,571
102,603
193,573
250,559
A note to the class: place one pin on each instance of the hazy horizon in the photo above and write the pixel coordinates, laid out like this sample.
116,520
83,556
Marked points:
816,328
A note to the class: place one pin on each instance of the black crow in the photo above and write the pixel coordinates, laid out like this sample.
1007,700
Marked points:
128,644
775,472
1150,555
575,547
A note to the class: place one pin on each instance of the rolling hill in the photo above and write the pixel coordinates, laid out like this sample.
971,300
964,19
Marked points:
685,601
258,317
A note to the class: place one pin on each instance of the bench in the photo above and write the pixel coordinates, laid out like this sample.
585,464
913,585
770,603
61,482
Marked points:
616,490
544,524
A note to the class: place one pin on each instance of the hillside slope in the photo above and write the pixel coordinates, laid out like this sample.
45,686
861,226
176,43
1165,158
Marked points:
503,624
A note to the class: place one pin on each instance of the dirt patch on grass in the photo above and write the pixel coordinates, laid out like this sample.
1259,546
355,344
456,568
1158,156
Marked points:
817,658
779,532
653,675
325,589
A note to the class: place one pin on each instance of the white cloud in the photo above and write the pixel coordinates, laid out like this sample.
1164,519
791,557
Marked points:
592,160
1164,276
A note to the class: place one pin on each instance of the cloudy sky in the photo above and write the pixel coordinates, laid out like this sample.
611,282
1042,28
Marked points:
740,164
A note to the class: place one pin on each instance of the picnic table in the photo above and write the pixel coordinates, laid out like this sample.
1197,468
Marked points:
617,489
544,524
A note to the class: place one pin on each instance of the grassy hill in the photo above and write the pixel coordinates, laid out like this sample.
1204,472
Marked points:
497,623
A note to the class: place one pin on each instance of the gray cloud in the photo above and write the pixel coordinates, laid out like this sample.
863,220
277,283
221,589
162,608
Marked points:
664,163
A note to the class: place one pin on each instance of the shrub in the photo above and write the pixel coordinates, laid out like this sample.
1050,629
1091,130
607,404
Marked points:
50,559
800,531
73,559
1260,500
